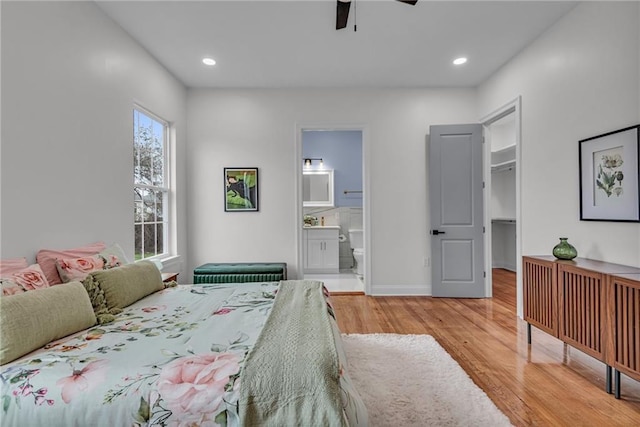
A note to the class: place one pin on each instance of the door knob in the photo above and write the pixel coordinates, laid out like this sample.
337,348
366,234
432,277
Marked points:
436,232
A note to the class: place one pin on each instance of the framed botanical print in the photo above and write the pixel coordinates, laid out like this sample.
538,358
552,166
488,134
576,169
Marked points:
241,190
609,177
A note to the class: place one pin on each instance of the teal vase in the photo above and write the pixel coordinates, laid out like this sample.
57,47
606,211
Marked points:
564,250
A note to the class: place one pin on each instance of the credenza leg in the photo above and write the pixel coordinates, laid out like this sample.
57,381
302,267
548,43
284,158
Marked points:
608,380
617,383
528,333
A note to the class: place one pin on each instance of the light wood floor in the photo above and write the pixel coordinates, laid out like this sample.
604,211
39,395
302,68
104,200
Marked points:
545,384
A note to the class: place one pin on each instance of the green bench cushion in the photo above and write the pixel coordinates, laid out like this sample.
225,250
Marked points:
238,268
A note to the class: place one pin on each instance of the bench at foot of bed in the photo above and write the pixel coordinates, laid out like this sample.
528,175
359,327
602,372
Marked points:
240,272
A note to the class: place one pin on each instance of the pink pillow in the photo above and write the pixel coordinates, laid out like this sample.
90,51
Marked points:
72,269
8,266
47,259
27,279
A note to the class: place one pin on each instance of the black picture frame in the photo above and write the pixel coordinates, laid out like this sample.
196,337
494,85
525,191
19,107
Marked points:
241,190
610,177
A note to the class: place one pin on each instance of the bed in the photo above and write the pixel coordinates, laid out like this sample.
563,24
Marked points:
205,355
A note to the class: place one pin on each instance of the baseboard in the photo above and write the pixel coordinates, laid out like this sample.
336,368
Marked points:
343,293
504,265
409,290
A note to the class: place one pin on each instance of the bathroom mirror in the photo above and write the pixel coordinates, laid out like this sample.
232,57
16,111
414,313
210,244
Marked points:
317,188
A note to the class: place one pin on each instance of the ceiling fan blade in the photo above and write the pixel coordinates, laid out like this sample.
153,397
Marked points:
342,13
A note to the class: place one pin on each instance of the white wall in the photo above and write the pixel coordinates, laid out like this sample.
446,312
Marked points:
70,77
579,79
257,128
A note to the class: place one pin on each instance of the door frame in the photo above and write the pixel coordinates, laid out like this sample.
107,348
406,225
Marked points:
512,107
366,200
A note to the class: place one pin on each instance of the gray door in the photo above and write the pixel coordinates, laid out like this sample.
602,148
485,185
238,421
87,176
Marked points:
456,200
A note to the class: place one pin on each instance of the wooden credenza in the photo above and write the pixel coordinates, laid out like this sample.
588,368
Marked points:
623,312
593,306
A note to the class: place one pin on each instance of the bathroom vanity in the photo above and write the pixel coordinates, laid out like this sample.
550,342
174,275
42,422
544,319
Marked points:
320,245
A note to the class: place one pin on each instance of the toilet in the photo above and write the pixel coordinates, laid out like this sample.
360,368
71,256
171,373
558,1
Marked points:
356,241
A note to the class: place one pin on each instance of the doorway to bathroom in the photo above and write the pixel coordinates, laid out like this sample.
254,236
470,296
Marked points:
332,244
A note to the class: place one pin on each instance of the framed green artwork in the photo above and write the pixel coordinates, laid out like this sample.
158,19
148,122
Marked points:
241,190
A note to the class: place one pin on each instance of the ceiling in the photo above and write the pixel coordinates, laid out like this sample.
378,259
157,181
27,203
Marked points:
294,44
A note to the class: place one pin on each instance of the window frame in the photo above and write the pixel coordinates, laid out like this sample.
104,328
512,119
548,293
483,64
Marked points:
165,189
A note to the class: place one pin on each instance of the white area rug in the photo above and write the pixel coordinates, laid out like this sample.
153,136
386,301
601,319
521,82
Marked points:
410,380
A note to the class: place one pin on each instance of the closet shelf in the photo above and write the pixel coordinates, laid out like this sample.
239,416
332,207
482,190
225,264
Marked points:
503,220
504,158
504,166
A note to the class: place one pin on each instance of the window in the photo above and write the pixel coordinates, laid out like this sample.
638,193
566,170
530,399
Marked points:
150,184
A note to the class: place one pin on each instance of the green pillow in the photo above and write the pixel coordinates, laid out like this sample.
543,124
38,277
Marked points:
32,319
98,301
122,286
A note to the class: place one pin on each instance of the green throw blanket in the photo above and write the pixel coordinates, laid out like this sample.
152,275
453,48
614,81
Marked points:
292,375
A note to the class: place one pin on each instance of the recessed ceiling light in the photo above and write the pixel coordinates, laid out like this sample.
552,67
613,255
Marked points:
209,61
459,61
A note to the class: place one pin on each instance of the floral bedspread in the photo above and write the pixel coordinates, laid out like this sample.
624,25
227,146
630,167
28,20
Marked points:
173,358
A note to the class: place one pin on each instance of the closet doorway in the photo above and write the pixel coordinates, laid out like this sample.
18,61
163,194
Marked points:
332,244
502,192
